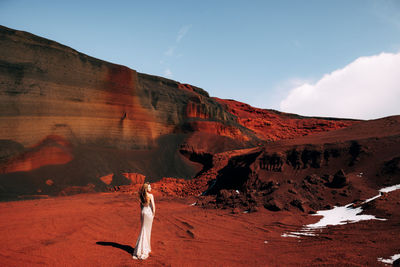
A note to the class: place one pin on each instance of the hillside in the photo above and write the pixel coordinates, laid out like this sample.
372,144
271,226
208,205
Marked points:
68,120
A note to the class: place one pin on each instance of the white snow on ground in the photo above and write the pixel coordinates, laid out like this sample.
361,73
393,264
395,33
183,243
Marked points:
339,216
391,260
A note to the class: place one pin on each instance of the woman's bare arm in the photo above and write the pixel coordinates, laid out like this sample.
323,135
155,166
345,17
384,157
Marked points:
153,205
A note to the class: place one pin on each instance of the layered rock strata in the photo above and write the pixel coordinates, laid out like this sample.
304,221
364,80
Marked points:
71,119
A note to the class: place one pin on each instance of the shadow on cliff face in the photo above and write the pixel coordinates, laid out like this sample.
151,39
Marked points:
36,171
52,150
235,175
87,164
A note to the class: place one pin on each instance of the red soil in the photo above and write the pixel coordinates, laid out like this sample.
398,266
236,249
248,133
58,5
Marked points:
156,126
101,230
273,125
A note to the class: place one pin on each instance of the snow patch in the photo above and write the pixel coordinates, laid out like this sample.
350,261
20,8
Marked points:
391,260
340,215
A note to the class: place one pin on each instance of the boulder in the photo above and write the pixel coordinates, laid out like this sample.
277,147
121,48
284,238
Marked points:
273,205
339,180
298,204
313,179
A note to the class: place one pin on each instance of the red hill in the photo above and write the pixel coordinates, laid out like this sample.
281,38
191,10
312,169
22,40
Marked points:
113,120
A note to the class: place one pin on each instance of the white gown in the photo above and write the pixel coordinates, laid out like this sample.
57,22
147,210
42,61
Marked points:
143,247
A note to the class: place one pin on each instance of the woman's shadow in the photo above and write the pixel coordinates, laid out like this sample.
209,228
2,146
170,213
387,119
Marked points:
127,248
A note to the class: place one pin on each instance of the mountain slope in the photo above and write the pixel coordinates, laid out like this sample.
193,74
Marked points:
73,119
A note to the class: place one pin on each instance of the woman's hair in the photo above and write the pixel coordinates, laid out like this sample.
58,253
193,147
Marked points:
143,196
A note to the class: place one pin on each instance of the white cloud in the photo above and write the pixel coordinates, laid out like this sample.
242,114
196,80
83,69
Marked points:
168,73
182,32
170,51
272,97
367,88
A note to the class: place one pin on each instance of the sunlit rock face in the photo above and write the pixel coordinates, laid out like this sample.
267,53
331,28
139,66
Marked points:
47,88
53,150
50,92
71,119
272,125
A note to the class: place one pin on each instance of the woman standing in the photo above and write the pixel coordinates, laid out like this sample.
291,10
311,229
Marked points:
143,247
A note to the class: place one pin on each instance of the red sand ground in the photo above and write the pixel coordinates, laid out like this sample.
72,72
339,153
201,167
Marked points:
101,230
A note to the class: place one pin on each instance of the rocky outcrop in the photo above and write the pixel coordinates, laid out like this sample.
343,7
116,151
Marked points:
306,177
135,178
272,125
339,180
107,179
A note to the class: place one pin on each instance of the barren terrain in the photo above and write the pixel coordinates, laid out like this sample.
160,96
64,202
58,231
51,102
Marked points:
100,229
78,137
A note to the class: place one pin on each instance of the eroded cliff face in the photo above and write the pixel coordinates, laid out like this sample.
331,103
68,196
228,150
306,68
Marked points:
63,110
71,119
311,173
47,88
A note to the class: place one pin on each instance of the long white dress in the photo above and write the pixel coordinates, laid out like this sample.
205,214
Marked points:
143,247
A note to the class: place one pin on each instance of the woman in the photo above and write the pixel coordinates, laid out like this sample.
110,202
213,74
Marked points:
143,247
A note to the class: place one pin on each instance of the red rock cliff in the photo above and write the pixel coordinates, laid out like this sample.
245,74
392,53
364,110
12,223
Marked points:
110,119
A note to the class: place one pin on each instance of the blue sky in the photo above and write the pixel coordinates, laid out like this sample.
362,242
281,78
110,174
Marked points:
258,52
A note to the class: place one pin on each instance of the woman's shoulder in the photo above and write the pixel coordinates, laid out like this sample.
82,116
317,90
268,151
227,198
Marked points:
150,195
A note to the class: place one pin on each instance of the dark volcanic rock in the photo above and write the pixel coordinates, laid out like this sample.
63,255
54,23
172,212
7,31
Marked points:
391,167
339,180
298,204
313,179
235,175
300,181
355,151
273,205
